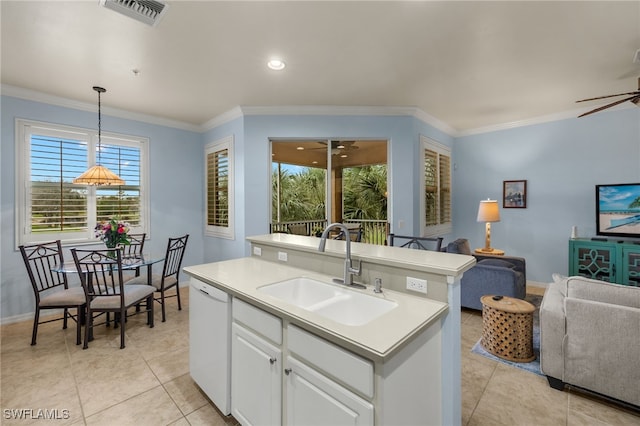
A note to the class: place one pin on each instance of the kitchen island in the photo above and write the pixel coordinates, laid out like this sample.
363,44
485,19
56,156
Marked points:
399,367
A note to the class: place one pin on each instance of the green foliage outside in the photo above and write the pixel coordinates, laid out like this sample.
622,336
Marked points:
302,194
59,209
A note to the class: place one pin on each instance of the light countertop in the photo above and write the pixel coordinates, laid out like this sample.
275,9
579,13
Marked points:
377,340
439,263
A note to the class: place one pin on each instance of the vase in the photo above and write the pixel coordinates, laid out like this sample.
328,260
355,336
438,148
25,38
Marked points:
112,249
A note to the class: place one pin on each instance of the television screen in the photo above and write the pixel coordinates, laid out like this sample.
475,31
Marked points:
618,210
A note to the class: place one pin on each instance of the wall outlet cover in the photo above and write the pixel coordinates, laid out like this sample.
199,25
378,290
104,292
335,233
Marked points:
282,255
257,251
416,284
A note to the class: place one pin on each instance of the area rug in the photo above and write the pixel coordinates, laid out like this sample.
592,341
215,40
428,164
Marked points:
533,366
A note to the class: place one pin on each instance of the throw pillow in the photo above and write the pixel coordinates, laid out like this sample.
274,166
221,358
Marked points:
497,262
459,246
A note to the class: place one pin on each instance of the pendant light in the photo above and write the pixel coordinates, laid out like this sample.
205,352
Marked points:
98,174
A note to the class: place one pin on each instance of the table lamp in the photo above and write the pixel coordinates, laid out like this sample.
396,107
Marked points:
488,212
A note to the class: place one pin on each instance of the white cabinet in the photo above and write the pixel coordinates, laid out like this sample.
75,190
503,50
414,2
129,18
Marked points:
313,399
322,380
256,365
256,381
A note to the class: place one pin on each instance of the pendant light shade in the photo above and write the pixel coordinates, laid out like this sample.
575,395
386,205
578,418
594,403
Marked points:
98,174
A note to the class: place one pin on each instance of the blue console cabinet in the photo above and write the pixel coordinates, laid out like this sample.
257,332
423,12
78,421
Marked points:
611,261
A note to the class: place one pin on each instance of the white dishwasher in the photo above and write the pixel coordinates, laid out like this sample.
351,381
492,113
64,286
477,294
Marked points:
210,342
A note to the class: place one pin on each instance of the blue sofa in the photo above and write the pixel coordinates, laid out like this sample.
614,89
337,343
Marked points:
495,275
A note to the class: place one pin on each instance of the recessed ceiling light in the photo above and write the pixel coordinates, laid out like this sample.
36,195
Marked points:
300,148
340,146
276,64
344,156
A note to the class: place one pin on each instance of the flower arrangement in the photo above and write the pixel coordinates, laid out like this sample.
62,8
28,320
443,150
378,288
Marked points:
112,232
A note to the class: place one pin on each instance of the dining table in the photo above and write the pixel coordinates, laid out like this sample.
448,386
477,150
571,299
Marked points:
129,262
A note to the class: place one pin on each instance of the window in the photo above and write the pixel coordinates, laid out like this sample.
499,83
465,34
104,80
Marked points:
219,193
436,188
49,206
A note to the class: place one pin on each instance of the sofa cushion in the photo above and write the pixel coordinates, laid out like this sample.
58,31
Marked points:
600,291
459,246
497,262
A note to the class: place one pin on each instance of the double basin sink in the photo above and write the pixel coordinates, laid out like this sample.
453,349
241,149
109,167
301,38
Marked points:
340,304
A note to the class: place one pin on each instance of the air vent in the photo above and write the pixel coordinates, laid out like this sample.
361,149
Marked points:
148,11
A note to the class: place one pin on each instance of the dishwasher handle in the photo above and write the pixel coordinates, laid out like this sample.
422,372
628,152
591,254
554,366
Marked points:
210,292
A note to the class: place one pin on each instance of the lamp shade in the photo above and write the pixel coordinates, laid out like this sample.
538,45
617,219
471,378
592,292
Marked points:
98,175
488,211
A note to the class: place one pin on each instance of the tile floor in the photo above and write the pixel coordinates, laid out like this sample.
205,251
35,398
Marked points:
148,383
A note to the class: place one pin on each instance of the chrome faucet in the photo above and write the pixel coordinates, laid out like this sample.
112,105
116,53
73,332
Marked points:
349,270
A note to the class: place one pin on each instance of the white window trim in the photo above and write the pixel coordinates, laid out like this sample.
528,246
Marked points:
444,228
227,232
22,155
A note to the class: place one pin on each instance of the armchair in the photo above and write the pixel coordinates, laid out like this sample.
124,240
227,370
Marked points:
502,275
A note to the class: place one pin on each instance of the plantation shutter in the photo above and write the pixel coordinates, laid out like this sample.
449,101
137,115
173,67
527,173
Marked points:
431,187
437,188
219,203
122,201
445,188
218,188
55,204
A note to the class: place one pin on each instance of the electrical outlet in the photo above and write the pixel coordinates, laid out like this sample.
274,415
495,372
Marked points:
257,251
282,255
416,284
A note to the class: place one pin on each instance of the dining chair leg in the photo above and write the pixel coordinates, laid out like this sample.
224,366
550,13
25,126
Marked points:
162,303
123,313
79,310
150,307
36,319
88,329
64,321
178,294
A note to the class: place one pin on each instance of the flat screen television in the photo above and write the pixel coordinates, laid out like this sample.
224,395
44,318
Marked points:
618,210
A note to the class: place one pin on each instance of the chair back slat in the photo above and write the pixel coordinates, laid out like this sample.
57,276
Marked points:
100,272
39,259
421,243
174,256
135,246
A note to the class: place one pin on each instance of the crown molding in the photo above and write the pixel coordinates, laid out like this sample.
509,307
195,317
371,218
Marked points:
565,115
389,111
32,95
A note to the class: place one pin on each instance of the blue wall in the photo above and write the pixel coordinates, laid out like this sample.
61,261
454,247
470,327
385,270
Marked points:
176,188
562,162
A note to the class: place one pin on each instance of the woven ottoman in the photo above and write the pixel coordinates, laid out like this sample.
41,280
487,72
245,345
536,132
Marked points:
507,328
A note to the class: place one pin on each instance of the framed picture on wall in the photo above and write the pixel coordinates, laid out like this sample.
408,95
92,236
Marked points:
514,194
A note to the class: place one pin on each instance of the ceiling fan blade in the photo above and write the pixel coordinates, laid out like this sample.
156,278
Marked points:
632,98
637,92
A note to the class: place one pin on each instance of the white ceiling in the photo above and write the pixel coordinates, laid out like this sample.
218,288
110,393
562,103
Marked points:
468,64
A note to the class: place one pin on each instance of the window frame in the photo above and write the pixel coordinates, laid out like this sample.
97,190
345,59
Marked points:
427,144
227,232
23,129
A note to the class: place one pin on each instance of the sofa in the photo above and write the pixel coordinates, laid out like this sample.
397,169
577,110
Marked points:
590,337
496,275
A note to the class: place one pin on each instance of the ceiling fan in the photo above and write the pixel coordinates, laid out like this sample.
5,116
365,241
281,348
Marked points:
339,146
632,96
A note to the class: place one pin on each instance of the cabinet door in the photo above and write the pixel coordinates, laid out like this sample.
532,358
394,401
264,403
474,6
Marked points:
630,262
593,259
256,379
313,399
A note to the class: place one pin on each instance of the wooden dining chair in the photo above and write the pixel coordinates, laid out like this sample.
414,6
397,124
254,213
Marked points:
101,277
50,288
170,276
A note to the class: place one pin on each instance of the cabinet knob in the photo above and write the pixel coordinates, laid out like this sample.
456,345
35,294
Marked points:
272,361
287,371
